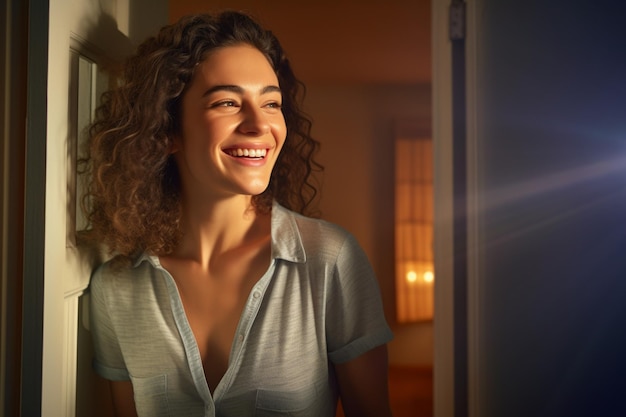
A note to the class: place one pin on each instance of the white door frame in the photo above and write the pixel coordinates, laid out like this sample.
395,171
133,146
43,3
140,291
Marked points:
444,357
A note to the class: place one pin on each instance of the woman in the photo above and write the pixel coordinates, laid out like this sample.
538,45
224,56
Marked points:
221,300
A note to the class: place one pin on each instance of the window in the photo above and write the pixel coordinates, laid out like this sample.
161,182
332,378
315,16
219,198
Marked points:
414,229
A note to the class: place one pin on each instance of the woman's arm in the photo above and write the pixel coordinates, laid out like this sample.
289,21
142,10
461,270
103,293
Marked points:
123,399
363,386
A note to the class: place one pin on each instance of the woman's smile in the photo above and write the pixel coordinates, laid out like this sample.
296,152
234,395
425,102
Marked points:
247,153
248,156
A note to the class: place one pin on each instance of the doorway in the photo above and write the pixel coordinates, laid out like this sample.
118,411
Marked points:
367,73
395,86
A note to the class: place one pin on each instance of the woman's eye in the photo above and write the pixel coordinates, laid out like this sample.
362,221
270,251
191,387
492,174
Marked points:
274,105
225,103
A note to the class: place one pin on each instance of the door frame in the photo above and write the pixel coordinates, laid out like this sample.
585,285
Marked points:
58,270
34,209
447,349
443,324
13,82
34,214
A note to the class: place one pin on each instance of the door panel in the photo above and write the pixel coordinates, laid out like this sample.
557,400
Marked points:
87,38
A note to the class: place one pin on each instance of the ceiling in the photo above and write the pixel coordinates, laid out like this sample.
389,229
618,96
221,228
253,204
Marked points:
342,41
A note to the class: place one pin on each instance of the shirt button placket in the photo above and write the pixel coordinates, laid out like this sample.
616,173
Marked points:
256,296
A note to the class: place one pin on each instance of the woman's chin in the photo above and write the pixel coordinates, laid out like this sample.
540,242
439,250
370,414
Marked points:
256,188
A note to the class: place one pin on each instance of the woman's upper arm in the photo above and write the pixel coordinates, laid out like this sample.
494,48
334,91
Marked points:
363,386
123,399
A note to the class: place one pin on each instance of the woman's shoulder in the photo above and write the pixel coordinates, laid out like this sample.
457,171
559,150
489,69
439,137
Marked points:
312,226
322,228
317,236
119,272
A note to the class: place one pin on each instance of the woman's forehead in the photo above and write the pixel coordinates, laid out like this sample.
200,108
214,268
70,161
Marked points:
234,65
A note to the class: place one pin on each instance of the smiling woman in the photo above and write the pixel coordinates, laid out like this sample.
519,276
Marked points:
222,298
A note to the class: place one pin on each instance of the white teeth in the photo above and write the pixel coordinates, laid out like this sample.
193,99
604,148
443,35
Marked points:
251,153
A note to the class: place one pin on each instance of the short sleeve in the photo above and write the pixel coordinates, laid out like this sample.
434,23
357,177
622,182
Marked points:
355,320
108,361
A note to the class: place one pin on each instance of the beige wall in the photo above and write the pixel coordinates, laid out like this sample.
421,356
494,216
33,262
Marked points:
355,125
348,41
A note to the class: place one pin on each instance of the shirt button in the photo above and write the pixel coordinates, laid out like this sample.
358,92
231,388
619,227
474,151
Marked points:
256,294
240,338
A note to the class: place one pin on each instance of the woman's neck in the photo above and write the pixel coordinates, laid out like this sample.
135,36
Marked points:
212,228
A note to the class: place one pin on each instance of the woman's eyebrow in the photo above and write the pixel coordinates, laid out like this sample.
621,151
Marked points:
271,89
231,88
239,90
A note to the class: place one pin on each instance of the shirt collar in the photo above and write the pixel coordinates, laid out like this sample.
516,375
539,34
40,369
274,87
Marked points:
152,259
286,239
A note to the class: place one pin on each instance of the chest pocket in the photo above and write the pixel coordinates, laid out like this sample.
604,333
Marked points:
151,396
300,403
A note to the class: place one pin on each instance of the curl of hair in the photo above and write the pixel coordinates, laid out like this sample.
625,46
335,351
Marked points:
133,184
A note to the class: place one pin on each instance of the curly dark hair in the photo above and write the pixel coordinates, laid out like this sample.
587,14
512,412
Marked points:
133,184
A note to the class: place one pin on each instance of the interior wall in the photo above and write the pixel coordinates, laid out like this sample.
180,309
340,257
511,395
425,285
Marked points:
356,127
347,41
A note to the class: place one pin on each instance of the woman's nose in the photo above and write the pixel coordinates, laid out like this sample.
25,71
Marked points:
254,121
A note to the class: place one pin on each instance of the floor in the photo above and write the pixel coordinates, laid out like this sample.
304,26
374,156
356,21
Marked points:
410,392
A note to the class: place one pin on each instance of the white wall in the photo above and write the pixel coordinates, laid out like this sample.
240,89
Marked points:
355,125
551,140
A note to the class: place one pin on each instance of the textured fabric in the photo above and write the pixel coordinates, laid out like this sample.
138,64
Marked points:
318,303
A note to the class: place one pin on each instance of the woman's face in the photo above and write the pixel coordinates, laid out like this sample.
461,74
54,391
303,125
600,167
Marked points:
232,125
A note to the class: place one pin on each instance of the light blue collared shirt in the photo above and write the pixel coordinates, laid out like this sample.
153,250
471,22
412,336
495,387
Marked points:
317,304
